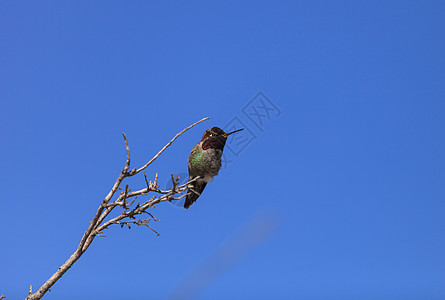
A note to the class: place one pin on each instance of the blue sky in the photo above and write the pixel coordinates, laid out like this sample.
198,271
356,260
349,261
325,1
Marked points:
342,183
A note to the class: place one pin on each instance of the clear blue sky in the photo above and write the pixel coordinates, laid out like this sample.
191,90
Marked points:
349,168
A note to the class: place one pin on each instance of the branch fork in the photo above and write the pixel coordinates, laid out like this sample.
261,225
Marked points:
131,214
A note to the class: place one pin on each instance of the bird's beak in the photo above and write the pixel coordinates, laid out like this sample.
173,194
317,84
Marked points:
234,131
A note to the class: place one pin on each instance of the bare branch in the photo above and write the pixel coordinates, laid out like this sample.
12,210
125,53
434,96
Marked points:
166,146
129,214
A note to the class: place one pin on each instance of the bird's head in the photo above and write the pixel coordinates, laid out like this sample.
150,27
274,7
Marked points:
217,133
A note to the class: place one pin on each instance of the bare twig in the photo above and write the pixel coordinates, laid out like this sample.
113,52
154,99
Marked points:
146,181
137,222
129,214
166,146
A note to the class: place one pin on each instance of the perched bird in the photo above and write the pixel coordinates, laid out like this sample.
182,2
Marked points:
205,161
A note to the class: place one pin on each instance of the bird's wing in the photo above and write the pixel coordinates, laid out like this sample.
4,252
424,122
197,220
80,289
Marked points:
195,149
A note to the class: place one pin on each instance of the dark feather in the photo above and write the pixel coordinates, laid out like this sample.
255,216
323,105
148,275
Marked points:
192,196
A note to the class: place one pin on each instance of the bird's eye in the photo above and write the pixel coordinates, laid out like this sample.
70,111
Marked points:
212,134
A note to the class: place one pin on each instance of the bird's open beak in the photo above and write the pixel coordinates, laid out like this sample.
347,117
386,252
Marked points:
234,131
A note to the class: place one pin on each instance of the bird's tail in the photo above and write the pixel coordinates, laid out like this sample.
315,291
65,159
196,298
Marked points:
194,191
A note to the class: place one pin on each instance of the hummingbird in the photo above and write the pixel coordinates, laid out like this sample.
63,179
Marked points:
205,161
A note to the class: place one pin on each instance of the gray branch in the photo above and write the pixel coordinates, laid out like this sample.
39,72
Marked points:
131,214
